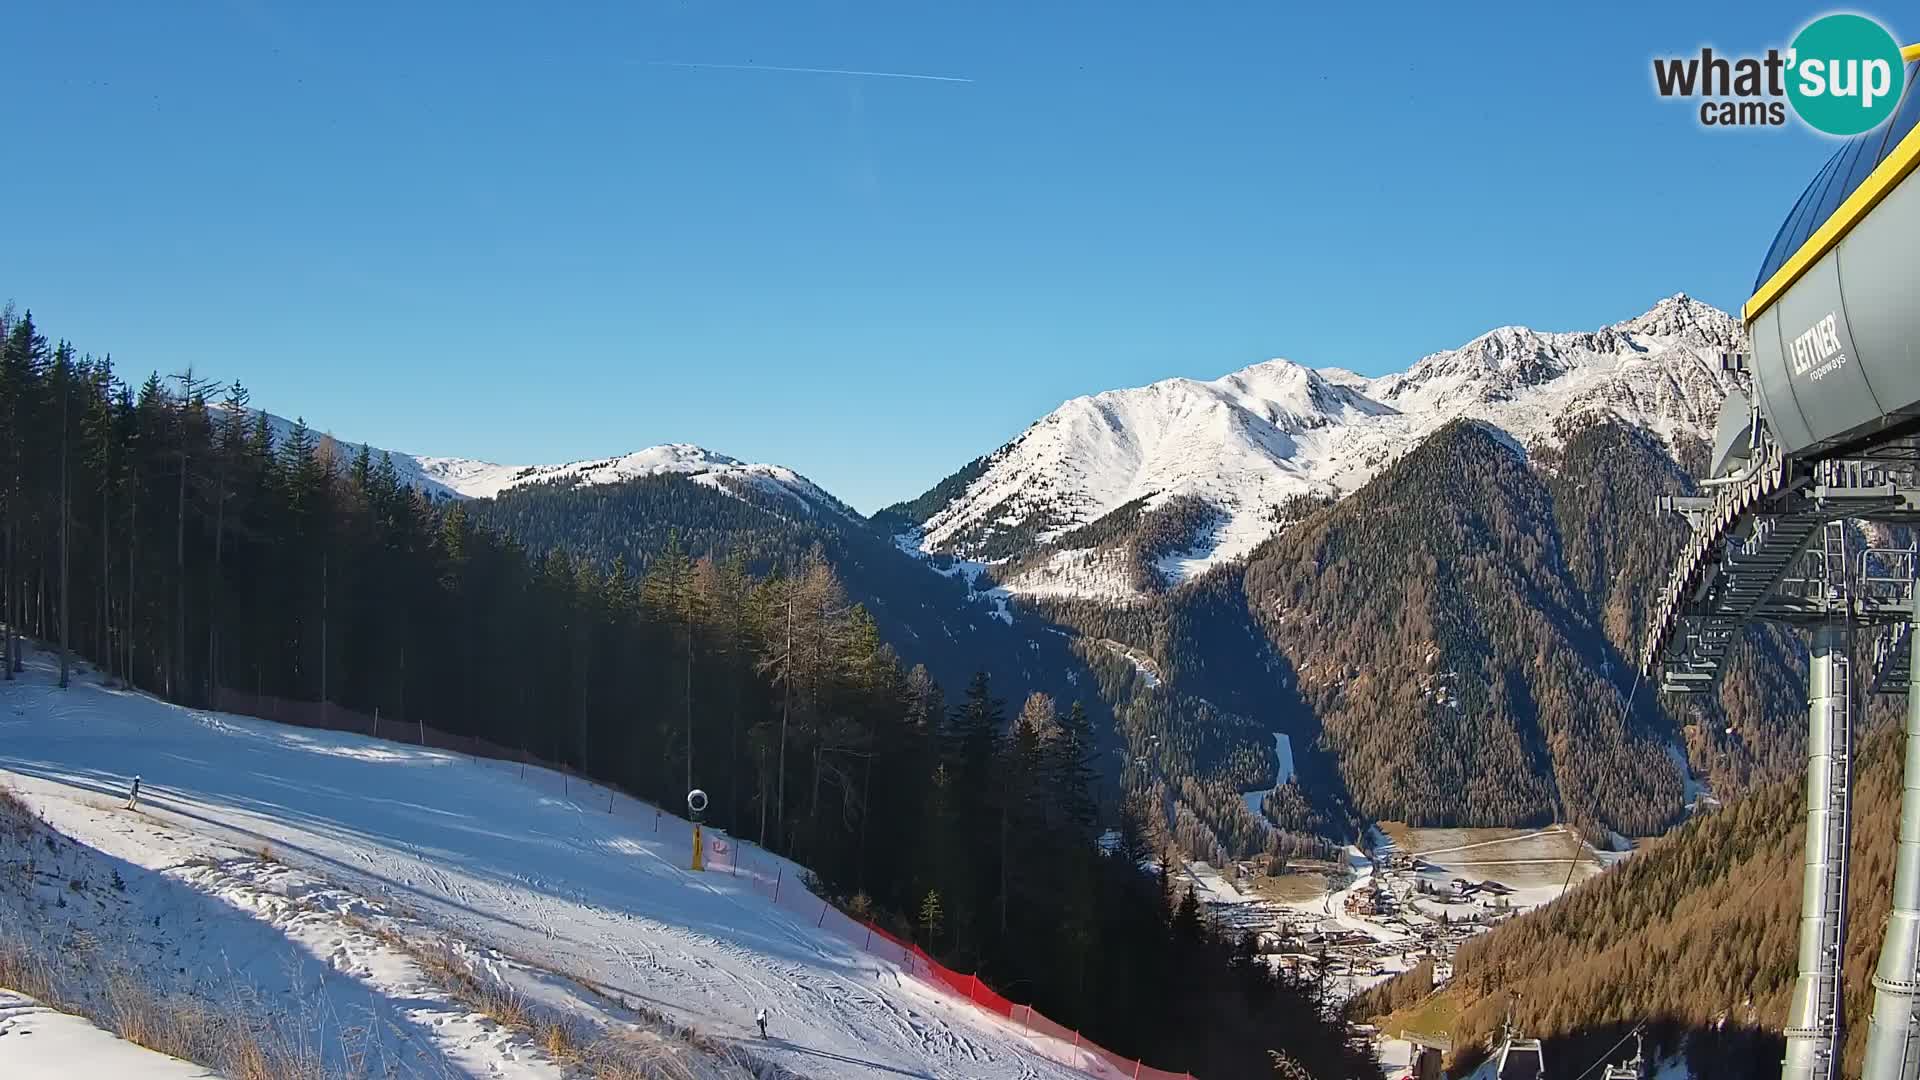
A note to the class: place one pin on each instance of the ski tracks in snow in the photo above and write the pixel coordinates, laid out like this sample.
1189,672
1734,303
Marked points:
514,872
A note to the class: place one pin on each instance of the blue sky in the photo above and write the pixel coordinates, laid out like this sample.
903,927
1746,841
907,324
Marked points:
510,231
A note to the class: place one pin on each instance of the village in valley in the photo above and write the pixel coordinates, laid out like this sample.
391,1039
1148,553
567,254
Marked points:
1410,896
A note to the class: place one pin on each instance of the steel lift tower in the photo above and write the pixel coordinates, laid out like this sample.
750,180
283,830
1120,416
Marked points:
1824,453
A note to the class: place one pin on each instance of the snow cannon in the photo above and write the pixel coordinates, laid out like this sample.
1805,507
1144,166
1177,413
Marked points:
697,811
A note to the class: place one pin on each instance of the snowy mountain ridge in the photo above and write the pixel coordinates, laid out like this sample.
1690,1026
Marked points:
480,479
1248,441
471,478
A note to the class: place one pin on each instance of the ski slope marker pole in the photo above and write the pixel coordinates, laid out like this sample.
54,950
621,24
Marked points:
776,883
822,920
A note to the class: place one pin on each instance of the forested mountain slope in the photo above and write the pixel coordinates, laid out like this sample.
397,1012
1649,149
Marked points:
1454,642
1436,631
931,618
1442,623
1696,935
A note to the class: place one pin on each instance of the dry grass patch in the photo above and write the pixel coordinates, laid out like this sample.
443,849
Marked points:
70,969
16,816
236,1041
234,1037
28,972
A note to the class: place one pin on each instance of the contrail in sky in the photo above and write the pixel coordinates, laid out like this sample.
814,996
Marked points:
810,71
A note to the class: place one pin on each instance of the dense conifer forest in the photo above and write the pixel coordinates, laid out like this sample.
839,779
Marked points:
161,532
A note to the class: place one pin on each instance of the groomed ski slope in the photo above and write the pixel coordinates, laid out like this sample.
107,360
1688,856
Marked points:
534,870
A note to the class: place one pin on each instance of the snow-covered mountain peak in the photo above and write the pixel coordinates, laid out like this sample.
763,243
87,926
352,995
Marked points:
1295,397
1248,441
1682,318
478,479
469,478
1348,378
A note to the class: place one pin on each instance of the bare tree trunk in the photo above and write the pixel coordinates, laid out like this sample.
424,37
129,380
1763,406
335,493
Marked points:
813,809
1003,865
866,790
176,669
323,637
586,679
6,600
133,552
763,797
106,576
213,580
733,752
66,517
402,714
786,712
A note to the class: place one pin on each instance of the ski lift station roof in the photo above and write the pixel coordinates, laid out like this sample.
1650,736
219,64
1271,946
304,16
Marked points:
1833,320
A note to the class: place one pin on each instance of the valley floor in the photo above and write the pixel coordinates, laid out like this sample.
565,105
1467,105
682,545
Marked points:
321,873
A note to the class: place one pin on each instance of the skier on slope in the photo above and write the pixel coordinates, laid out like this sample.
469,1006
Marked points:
761,1019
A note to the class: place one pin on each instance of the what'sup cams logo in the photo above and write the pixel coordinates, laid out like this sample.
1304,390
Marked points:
1842,75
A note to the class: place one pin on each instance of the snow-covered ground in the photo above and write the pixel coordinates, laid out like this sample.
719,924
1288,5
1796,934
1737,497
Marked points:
1539,865
254,843
996,598
38,1043
1694,791
1283,765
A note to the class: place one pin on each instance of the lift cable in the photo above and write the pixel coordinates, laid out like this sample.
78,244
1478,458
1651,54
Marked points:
1626,708
1602,1059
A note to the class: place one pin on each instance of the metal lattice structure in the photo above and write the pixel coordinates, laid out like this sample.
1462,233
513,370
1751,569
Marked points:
1782,541
1825,454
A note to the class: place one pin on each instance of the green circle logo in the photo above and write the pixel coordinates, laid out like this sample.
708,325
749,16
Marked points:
1845,74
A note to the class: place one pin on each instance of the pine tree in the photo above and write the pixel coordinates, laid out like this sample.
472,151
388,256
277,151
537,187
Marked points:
63,376
931,916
